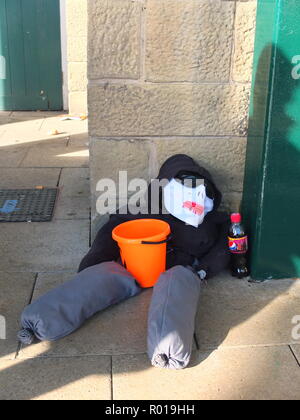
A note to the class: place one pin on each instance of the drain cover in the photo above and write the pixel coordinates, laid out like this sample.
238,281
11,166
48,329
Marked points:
27,205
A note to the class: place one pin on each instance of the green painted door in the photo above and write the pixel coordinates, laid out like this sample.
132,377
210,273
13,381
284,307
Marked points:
271,202
30,55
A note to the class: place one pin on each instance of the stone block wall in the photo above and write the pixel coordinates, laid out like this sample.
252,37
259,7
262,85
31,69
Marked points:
166,77
77,55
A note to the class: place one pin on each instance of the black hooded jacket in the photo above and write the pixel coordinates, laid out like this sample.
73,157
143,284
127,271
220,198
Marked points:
203,248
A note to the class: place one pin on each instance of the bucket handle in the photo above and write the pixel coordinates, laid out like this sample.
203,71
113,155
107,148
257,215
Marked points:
157,243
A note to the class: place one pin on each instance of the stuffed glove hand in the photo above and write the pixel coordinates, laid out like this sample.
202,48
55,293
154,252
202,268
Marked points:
202,274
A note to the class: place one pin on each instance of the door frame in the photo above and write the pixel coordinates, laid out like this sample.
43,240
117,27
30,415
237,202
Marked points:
64,52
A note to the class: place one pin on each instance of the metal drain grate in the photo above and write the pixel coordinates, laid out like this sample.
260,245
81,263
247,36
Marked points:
27,205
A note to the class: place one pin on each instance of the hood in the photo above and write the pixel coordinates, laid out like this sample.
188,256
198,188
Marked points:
177,163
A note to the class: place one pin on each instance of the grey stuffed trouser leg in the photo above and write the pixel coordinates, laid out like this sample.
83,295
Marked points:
171,321
64,309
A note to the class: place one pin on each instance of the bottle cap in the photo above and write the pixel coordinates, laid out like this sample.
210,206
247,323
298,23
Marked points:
236,218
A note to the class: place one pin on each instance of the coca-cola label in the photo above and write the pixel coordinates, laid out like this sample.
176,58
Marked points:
238,245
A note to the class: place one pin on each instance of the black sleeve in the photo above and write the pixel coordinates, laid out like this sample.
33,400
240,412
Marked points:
218,258
104,247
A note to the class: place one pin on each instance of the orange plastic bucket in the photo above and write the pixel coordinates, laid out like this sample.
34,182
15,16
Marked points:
143,248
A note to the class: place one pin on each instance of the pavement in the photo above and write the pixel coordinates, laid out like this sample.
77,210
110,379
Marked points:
247,342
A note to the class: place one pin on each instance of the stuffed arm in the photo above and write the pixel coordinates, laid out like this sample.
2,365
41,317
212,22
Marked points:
104,248
218,258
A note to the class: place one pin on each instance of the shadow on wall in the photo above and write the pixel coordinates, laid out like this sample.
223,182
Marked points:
219,315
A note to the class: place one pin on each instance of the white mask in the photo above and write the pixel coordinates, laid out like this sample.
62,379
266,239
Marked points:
189,205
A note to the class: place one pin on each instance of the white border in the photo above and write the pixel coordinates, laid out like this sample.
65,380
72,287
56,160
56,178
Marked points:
64,55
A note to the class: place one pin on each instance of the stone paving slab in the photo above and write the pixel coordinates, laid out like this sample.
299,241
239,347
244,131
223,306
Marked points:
25,125
117,330
28,177
8,140
79,140
26,132
2,131
72,208
11,157
20,124
16,289
23,133
56,379
70,127
30,115
254,373
238,313
38,247
75,182
296,351
56,156
48,281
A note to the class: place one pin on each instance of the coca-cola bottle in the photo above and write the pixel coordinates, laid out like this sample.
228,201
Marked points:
238,246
